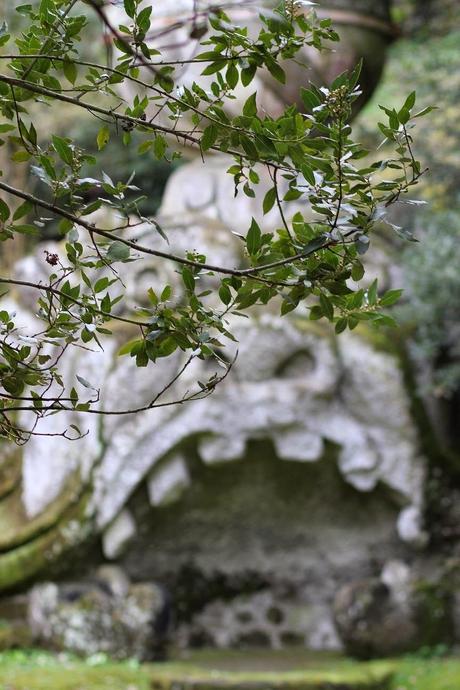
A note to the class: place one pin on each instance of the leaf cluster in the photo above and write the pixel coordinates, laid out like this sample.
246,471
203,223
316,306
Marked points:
326,198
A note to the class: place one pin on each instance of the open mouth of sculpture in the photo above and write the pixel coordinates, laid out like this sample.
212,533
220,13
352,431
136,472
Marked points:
285,392
249,548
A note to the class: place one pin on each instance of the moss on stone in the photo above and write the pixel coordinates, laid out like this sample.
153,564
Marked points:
18,528
24,562
434,621
10,470
14,635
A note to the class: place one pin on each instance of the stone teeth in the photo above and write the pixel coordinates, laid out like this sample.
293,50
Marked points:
167,483
214,450
118,534
410,527
298,445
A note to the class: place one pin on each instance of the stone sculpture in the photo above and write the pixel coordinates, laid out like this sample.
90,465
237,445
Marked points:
320,427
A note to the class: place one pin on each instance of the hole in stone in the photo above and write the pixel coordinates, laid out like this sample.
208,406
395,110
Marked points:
244,616
255,638
274,615
299,364
291,639
200,638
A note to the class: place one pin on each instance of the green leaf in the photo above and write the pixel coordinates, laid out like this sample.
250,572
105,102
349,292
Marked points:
84,382
101,284
287,305
166,293
103,137
130,7
253,238
326,307
188,279
21,156
4,211
167,347
121,45
22,210
310,99
225,294
390,297
248,74
314,245
63,149
394,121
127,347
65,226
356,73
404,115
292,195
232,75
214,67
143,19
425,111
26,229
145,146
4,39
94,206
316,313
352,322
118,251
269,200
250,107
159,146
249,147
70,71
357,271
410,101
307,172
341,325
152,296
209,137
385,320
372,293
276,71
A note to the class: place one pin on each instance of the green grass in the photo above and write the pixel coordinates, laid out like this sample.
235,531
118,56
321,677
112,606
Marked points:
436,674
42,671
210,670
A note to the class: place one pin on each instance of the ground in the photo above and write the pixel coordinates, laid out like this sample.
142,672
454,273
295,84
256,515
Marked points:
213,671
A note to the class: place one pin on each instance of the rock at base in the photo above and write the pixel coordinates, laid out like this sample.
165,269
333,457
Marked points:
93,617
387,616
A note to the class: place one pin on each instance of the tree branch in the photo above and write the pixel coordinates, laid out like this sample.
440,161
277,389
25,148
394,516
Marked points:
249,272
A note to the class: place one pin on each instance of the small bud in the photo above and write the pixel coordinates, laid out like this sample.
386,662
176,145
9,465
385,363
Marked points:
51,259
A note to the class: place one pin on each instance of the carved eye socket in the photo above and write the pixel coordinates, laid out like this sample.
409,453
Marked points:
295,366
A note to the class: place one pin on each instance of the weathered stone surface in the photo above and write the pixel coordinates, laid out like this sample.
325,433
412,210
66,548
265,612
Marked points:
295,531
297,413
300,473
392,614
89,617
261,620
314,403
